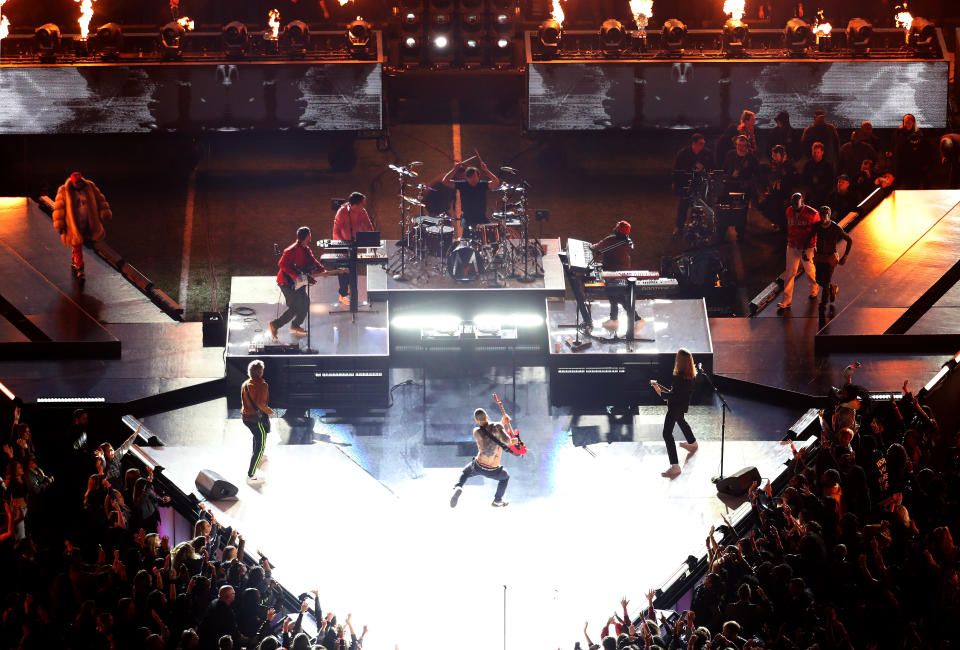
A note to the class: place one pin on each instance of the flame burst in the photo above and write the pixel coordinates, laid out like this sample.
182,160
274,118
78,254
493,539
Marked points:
86,13
904,19
343,3
642,11
4,24
820,28
186,23
557,12
274,22
734,8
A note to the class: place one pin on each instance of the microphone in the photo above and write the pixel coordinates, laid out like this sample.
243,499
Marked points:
700,367
508,169
417,162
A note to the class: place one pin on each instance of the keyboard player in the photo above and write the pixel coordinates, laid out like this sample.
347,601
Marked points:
350,219
613,251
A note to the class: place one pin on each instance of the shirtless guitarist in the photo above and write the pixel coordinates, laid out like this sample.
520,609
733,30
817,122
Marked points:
491,440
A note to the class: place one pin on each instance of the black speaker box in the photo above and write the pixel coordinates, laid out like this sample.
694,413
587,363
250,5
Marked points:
213,486
214,330
738,484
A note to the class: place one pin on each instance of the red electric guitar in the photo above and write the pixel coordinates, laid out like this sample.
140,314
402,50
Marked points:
518,449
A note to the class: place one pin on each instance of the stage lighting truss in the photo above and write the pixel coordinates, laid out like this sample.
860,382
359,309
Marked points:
110,41
859,33
171,41
613,37
235,39
736,38
673,37
358,37
295,38
797,37
922,38
550,33
47,40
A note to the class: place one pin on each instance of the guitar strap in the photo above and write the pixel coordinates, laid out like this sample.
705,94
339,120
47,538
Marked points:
483,429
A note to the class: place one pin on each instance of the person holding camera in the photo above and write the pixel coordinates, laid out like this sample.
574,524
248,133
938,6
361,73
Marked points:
255,413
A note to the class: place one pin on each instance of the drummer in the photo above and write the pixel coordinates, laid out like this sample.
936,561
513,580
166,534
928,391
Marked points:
473,192
439,198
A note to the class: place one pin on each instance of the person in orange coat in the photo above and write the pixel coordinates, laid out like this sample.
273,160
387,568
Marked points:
79,213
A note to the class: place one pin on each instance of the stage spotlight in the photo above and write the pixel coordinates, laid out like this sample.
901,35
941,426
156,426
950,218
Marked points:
358,36
47,39
550,33
235,39
797,36
471,23
295,38
736,38
859,33
923,37
613,37
440,42
673,37
171,40
110,40
410,21
503,23
471,51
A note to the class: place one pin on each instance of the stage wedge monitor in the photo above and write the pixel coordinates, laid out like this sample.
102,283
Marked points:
213,486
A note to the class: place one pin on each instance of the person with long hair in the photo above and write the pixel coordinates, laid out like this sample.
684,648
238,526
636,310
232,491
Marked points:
678,401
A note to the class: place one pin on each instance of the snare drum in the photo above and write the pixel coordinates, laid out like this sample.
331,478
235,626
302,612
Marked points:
466,261
438,239
487,233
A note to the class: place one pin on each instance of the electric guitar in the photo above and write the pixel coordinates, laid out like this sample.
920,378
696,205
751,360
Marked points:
304,279
660,388
518,449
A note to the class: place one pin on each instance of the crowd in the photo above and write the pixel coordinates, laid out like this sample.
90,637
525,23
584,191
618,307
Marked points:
85,567
768,168
856,552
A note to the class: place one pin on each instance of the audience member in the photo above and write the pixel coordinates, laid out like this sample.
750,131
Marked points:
854,152
786,136
825,133
818,175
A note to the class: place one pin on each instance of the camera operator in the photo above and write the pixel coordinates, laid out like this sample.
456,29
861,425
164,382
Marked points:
692,158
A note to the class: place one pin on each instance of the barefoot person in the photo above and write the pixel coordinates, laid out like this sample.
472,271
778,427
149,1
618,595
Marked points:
678,401
491,440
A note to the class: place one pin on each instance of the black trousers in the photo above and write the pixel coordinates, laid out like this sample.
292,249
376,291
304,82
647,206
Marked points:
672,418
344,281
259,442
498,474
298,304
617,299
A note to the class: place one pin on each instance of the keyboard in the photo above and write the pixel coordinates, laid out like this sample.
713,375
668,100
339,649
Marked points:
340,260
650,288
579,255
638,274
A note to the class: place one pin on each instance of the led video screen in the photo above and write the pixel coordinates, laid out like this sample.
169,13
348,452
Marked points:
190,97
699,94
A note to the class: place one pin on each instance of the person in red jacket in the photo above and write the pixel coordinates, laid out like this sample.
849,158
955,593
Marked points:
350,219
801,237
298,269
78,215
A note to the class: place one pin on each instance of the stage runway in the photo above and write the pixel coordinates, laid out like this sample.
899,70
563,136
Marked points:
366,519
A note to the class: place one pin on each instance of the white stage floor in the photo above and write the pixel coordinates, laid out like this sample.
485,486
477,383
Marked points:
585,526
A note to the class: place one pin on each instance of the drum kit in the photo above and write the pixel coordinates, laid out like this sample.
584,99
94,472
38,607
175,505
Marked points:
488,253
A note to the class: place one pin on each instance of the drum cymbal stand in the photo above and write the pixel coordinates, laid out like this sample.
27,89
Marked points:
403,173
527,274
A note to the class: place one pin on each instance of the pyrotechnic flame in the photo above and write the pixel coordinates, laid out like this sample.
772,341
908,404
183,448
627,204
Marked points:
4,27
274,22
343,3
186,23
819,28
557,12
904,19
733,8
642,11
86,13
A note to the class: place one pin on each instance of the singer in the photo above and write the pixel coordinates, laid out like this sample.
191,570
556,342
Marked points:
678,401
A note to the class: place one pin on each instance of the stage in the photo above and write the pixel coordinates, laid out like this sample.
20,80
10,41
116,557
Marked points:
363,513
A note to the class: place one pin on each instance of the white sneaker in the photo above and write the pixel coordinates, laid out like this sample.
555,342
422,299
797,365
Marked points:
256,479
638,326
611,324
690,447
671,473
344,300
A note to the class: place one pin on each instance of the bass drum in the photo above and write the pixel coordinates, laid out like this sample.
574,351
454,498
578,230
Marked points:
466,262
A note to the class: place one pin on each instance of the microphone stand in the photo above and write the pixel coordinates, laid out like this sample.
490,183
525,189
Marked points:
724,407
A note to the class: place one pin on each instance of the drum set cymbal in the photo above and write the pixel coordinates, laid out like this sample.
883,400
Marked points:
413,201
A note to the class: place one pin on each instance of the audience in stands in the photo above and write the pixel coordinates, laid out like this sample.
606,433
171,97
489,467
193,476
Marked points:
856,552
85,567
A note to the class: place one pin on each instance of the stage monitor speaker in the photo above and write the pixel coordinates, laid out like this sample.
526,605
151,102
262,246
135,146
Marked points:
214,330
213,486
738,484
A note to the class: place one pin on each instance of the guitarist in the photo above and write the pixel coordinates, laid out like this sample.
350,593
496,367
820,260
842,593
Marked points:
491,440
297,261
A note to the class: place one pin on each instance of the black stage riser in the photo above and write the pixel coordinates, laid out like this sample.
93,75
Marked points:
888,343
